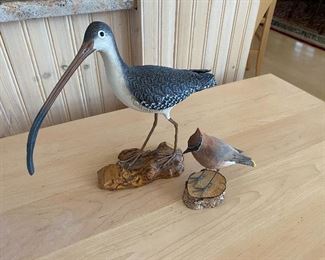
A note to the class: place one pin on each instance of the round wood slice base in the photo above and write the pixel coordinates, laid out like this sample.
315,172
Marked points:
204,189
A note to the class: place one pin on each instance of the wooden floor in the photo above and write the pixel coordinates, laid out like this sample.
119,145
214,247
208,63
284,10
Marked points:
296,62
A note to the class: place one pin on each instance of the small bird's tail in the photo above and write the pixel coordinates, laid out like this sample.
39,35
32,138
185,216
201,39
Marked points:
242,159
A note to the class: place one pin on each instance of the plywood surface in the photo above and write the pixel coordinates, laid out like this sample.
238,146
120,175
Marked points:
273,211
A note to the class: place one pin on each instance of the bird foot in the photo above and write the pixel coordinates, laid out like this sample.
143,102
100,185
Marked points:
196,179
202,189
130,162
166,159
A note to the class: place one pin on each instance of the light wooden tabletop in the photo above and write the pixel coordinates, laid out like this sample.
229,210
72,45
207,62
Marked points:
273,211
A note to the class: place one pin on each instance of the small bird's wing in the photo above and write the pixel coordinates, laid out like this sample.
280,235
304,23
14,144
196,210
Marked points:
159,88
226,153
223,151
243,159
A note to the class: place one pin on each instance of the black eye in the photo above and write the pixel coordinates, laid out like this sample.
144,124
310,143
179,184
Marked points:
101,34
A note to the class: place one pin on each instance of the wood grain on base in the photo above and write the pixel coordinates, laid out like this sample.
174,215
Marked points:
150,166
215,180
204,189
60,213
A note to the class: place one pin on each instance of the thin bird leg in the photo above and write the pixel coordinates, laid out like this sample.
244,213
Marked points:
170,157
198,178
138,154
203,189
150,133
176,133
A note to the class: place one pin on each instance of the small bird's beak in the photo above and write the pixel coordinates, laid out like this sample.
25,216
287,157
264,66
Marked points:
187,150
85,50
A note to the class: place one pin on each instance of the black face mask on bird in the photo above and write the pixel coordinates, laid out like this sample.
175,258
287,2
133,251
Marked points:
194,143
192,148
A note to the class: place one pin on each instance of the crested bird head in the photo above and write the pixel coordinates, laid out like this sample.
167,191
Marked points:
194,142
98,37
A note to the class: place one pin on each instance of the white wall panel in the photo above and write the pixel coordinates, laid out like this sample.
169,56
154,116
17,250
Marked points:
214,34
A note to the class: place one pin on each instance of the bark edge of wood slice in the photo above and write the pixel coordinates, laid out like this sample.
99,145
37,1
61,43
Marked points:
149,167
211,197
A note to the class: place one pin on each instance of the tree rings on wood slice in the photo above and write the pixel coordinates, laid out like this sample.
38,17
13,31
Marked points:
204,189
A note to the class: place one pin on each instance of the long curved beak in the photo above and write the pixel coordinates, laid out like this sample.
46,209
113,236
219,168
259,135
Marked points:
85,50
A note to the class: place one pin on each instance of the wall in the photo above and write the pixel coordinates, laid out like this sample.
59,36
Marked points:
34,54
212,34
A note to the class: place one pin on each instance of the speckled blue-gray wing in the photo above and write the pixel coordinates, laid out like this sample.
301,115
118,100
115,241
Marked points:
158,88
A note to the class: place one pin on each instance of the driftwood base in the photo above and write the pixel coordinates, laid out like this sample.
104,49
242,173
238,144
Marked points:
204,189
152,165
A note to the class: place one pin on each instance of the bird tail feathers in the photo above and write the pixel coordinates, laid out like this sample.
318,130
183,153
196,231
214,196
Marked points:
242,159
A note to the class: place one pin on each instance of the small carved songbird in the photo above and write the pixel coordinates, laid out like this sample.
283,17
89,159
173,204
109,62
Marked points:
214,154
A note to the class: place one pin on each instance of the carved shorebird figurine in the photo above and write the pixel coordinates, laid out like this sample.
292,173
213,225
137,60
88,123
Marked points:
214,154
153,89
